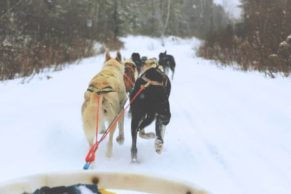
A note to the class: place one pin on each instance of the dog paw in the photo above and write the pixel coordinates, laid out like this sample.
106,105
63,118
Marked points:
145,135
108,153
158,146
134,161
134,157
109,150
120,139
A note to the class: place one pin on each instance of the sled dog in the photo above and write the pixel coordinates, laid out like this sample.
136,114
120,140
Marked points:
167,62
138,60
151,105
130,74
106,96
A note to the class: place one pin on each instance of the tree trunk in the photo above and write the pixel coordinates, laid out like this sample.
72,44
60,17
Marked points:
164,27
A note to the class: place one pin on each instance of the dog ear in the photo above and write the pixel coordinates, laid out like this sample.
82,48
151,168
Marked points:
118,56
107,56
165,52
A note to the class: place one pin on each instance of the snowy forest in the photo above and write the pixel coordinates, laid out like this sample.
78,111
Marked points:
35,34
260,41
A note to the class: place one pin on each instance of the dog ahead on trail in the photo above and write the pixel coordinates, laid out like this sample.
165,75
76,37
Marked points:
152,104
130,74
106,95
167,62
138,61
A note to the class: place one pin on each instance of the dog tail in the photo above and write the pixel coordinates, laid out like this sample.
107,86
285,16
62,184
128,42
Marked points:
95,103
91,110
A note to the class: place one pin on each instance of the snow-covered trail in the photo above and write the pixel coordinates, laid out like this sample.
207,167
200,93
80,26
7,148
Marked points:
229,133
240,124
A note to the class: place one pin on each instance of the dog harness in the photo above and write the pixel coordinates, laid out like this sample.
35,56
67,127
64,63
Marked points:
151,82
99,91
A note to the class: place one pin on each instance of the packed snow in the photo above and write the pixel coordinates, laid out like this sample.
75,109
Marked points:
229,134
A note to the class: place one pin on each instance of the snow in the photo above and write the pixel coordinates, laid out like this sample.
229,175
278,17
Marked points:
229,133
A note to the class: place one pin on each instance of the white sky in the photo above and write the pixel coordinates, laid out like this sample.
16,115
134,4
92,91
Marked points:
231,6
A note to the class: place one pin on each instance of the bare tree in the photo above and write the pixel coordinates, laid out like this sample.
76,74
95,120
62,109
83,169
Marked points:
164,24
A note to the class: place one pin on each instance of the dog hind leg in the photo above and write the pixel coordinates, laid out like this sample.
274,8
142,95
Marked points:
134,128
110,141
145,122
102,128
160,132
120,137
145,135
90,134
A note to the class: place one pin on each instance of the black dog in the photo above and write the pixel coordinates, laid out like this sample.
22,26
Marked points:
152,104
139,61
167,62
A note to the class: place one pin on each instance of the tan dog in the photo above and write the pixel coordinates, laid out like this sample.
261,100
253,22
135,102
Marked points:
108,87
130,74
150,63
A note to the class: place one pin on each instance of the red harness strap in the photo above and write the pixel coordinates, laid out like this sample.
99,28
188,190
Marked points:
91,154
130,82
117,118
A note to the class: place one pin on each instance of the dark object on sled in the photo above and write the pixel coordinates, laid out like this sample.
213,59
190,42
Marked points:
74,189
115,180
